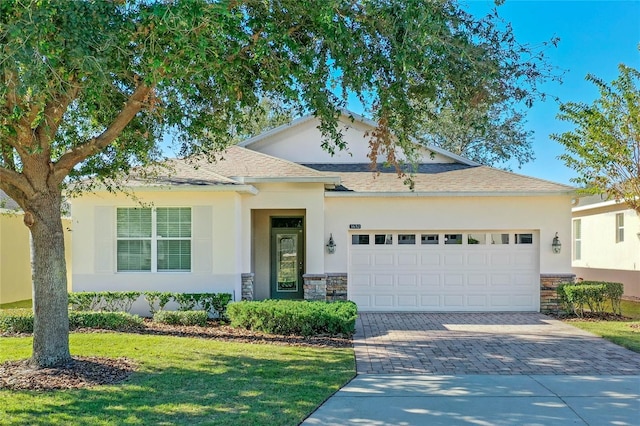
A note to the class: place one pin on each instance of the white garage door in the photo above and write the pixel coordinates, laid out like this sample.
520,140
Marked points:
444,271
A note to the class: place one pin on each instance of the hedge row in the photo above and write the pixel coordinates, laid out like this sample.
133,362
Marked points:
590,295
21,320
121,301
181,317
295,317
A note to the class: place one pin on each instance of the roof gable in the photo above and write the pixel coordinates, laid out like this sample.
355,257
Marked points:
300,141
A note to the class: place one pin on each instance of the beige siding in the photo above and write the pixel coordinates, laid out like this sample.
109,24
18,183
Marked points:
15,258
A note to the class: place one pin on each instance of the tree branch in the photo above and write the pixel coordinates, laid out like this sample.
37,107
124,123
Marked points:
13,182
69,160
53,112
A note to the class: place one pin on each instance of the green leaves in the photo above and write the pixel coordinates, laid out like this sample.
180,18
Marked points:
604,147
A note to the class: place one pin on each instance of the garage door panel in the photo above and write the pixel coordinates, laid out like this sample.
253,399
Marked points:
500,300
500,280
383,280
451,280
430,259
454,259
476,279
385,259
477,300
408,280
441,277
408,300
477,259
454,300
407,259
360,280
430,280
361,259
500,259
383,300
430,301
521,300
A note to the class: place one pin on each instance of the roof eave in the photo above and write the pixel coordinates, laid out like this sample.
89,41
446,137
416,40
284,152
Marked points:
418,194
240,188
331,180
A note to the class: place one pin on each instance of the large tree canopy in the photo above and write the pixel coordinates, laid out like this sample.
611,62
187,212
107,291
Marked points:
604,147
88,88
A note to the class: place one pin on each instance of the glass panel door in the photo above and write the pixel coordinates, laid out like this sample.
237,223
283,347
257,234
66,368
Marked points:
287,259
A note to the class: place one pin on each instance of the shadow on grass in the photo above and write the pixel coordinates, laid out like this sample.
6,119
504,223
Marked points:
210,389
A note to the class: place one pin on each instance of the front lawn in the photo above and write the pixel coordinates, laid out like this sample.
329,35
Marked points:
624,333
19,304
185,381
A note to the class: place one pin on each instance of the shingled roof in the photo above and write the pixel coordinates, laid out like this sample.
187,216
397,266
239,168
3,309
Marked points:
437,178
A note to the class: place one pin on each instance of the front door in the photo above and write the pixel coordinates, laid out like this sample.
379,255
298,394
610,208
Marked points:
287,257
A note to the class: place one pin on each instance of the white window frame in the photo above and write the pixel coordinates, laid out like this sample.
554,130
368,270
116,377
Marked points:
619,227
155,238
577,239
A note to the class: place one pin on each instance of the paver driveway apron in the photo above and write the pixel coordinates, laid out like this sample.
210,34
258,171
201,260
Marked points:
484,368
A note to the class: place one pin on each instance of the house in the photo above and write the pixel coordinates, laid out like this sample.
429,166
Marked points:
606,243
278,217
15,253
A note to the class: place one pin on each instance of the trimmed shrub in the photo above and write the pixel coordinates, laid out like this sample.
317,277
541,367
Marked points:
21,320
297,317
590,296
158,298
16,321
181,317
104,320
106,301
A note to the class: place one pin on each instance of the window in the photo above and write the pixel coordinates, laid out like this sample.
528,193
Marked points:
477,239
360,239
453,238
619,227
499,238
406,238
577,239
524,238
384,239
154,240
429,239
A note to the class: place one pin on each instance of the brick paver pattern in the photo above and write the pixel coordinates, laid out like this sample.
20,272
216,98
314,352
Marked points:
483,343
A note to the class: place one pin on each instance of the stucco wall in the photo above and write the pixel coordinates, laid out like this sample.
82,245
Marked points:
630,279
15,258
599,247
302,144
216,238
547,215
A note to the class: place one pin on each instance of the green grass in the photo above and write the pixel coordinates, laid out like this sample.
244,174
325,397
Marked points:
19,304
619,332
185,381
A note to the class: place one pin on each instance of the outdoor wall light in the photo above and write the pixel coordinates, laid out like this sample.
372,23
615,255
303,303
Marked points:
331,245
555,245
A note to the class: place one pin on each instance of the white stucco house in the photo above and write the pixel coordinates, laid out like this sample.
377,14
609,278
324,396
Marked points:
278,217
606,243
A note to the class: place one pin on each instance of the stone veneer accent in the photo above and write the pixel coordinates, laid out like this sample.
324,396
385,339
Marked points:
548,284
247,286
336,287
315,286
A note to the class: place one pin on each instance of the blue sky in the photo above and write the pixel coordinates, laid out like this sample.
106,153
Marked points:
595,36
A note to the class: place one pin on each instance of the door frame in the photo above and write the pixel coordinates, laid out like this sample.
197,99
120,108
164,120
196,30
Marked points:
273,231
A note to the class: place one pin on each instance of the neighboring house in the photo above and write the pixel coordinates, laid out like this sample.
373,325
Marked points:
606,243
278,217
15,253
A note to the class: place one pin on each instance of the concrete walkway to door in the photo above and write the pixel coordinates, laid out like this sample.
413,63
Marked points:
483,343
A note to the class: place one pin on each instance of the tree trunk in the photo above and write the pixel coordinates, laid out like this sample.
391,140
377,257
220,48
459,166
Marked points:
50,299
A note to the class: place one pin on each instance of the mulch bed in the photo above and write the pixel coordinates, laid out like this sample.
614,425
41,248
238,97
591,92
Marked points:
85,372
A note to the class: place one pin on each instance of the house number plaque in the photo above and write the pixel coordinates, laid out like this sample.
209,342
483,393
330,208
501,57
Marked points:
355,226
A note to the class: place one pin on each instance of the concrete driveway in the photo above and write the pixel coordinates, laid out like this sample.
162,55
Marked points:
483,369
